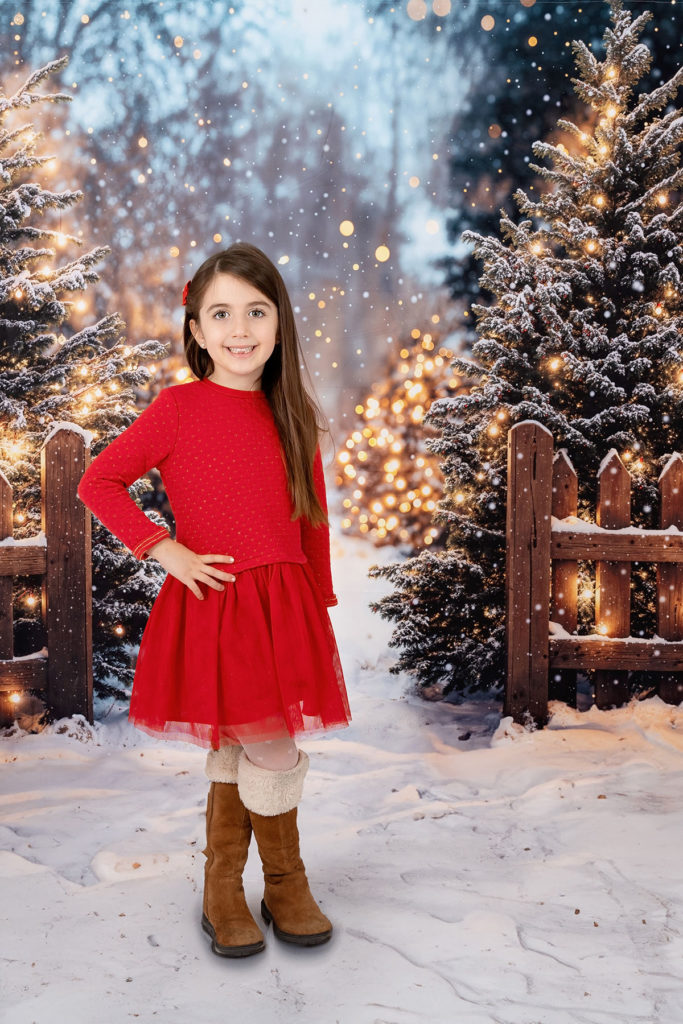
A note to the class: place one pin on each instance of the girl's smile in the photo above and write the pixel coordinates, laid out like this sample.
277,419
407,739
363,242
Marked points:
238,328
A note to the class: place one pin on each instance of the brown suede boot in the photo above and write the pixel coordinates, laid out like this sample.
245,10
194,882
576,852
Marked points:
271,798
226,918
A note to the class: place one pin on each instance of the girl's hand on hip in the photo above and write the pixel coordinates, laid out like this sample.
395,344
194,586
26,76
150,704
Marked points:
189,567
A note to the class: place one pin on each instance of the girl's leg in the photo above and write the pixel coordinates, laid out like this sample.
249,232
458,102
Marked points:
270,787
276,755
226,917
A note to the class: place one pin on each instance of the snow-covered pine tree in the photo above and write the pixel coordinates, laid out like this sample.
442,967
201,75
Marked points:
584,335
388,480
49,373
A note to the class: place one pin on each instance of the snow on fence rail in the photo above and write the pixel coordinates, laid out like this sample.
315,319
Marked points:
545,541
61,555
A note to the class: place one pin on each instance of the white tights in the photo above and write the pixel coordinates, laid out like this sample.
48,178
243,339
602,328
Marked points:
275,755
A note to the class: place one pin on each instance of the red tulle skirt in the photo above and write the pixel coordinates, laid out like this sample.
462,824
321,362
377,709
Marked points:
253,662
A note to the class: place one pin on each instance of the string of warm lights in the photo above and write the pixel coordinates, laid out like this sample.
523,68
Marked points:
390,482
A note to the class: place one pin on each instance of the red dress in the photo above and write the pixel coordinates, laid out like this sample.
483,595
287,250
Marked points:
258,659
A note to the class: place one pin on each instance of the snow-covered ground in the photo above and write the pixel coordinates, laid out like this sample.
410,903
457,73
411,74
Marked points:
474,873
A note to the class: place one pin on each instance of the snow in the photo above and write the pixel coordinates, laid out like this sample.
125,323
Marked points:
37,540
558,632
670,463
573,524
611,454
42,653
534,423
474,871
75,428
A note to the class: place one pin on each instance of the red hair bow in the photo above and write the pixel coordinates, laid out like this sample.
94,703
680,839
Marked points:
185,291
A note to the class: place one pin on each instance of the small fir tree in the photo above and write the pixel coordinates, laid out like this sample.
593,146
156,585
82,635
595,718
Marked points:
583,335
389,481
50,373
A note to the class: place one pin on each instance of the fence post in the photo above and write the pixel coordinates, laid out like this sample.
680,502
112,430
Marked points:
564,590
6,591
6,582
67,594
670,574
613,579
527,589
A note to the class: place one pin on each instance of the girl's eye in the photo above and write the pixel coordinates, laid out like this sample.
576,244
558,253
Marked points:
221,314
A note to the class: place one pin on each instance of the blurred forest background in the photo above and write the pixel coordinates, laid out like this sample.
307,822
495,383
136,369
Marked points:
352,141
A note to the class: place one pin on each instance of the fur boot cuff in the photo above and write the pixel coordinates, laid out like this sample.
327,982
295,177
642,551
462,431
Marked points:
221,765
271,792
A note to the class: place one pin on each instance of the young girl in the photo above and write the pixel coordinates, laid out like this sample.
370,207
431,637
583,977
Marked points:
238,653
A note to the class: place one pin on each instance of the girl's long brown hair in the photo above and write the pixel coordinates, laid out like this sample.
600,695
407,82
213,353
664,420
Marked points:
298,417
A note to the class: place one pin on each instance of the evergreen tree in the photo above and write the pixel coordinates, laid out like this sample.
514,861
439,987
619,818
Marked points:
48,373
388,480
583,335
519,71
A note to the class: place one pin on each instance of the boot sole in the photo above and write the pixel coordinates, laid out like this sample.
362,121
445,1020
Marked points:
230,951
298,940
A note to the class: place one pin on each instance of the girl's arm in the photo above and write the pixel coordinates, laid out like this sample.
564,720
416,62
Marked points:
136,450
315,540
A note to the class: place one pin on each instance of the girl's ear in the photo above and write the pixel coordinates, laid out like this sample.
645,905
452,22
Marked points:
196,330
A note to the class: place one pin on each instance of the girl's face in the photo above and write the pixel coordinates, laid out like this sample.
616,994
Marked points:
237,326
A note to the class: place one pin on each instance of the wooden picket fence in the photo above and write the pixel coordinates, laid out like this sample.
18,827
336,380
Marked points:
542,579
541,587
60,674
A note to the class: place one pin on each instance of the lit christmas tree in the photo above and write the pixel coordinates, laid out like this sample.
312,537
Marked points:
48,373
584,336
389,480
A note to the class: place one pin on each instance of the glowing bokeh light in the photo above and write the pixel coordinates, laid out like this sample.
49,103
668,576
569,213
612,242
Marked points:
416,9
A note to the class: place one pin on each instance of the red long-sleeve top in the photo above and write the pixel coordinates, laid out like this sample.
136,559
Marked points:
221,463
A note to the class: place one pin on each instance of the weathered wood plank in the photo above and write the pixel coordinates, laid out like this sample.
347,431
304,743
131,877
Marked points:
670,577
22,559
564,586
613,578
607,653
23,674
596,545
6,530
67,586
530,464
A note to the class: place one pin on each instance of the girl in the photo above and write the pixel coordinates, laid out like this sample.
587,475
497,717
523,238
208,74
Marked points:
238,653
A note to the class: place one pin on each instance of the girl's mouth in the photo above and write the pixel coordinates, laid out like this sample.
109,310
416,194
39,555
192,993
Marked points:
243,350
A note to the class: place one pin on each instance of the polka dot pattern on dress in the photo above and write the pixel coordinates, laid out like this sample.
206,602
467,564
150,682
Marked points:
220,458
